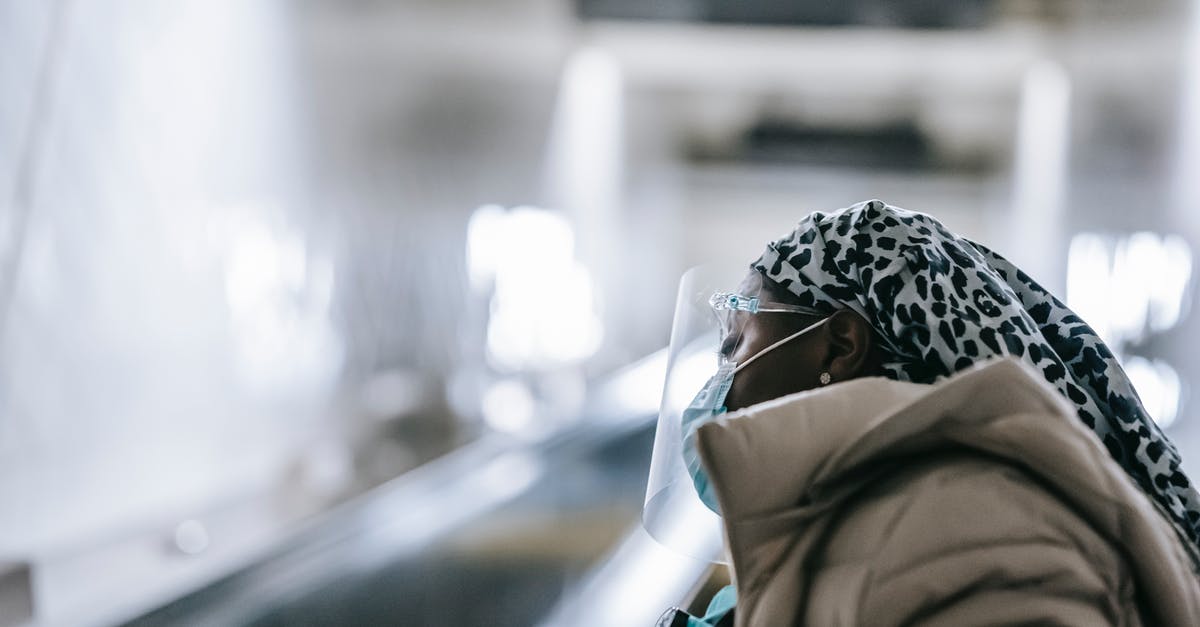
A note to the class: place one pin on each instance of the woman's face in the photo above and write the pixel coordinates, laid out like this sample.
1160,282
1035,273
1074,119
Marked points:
792,367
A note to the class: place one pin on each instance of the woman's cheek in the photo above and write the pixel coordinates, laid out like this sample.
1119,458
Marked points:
733,397
744,391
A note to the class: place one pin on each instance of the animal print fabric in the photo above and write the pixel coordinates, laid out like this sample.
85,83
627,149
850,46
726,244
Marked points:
941,303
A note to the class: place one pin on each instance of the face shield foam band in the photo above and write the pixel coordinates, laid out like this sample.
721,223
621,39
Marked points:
731,301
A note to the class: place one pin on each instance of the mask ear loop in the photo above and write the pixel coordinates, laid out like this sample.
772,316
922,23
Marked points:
778,344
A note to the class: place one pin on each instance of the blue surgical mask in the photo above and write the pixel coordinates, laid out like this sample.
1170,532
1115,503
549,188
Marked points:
708,404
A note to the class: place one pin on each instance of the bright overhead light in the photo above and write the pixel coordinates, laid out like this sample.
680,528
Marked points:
543,300
1159,387
1152,274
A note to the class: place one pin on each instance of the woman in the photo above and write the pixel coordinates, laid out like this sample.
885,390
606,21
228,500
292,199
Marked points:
885,468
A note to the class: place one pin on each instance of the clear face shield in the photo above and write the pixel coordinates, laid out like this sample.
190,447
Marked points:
680,510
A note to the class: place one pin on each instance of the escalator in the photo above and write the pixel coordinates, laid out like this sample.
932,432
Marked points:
499,532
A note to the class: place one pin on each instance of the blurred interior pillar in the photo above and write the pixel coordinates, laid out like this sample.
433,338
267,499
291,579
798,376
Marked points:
1040,173
1185,179
585,162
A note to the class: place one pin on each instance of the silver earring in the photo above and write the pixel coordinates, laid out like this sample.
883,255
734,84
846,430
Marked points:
825,378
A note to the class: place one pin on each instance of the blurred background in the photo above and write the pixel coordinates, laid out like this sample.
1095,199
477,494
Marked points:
353,312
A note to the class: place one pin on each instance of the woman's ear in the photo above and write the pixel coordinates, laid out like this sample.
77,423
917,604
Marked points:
851,346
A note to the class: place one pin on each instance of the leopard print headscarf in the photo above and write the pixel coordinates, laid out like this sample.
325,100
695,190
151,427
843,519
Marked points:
941,302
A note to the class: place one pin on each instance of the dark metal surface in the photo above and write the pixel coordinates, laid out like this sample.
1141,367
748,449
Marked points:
903,14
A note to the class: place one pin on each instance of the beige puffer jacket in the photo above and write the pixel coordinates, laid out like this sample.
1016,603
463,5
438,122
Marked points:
977,501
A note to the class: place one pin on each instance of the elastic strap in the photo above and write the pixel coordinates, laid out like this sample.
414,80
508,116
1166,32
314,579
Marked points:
778,344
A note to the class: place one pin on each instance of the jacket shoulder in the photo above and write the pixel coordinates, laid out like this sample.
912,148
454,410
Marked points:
954,532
